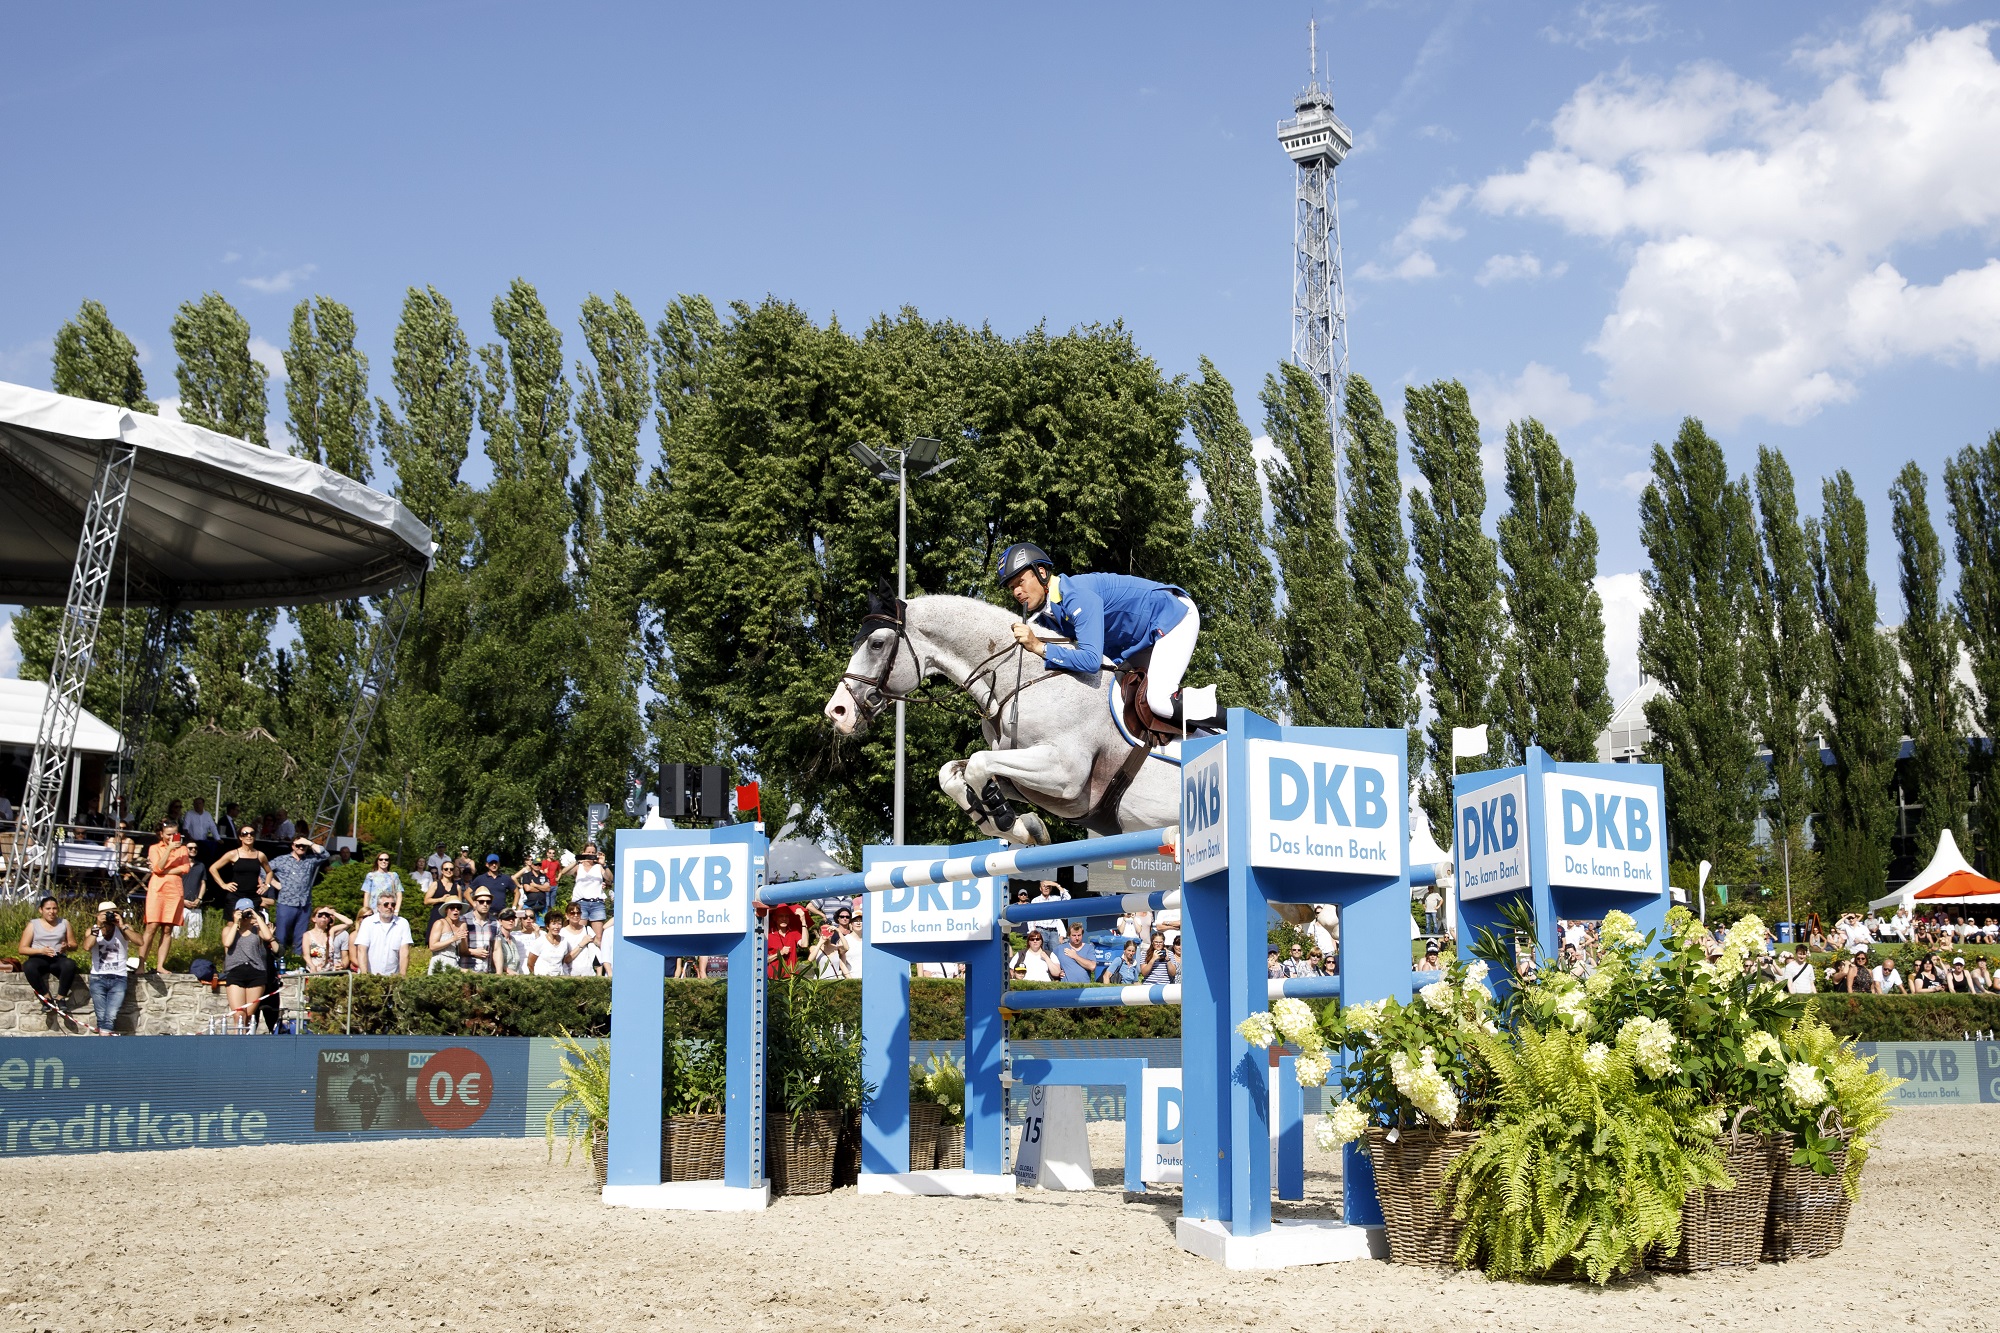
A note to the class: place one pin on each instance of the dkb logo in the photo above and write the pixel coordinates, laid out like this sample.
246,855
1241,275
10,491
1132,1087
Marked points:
1291,792
1492,826
1201,799
677,879
1599,812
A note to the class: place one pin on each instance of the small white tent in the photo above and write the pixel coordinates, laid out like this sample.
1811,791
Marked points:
1947,879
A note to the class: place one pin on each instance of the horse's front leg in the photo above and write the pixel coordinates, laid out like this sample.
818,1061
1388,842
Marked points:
1050,776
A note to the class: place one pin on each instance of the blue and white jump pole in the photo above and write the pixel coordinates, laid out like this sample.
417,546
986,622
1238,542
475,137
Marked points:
1270,814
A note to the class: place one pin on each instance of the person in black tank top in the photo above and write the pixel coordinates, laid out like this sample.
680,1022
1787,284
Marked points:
239,872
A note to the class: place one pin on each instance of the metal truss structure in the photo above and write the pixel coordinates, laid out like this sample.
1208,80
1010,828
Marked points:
76,643
1317,141
384,639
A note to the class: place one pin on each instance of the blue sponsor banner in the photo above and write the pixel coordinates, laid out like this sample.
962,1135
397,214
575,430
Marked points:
132,1094
1939,1073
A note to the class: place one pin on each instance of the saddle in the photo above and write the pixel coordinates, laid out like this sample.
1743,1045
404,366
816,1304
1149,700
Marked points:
1140,720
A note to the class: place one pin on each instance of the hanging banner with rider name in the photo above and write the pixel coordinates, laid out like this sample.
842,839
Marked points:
681,888
1205,813
1490,846
1604,835
1317,808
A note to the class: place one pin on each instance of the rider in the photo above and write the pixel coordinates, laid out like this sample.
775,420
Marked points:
1108,616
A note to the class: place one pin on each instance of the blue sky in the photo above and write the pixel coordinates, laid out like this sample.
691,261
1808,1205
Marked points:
1781,218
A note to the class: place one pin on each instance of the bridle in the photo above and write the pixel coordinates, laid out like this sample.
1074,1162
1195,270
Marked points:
874,692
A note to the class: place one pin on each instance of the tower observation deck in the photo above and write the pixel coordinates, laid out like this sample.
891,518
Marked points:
1316,141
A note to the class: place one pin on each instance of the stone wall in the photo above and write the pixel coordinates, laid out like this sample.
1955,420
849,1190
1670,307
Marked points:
162,1005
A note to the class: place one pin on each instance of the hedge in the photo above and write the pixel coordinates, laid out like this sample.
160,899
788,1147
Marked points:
1910,1017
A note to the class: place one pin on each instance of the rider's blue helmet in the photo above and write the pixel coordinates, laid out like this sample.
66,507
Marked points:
1020,556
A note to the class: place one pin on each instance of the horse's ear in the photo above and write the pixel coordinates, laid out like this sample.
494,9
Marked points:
882,601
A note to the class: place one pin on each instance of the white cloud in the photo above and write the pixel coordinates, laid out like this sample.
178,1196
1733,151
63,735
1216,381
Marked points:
1539,391
270,355
282,281
1762,282
1517,268
1432,223
1609,22
170,409
10,652
1624,598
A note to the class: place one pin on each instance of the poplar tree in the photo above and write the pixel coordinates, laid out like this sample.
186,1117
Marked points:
1695,525
1552,684
1972,480
94,360
1317,625
1857,811
228,654
1459,608
614,396
1387,646
332,422
1236,590
1785,654
1934,706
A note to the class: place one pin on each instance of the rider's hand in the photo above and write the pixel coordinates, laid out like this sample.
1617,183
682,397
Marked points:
1027,638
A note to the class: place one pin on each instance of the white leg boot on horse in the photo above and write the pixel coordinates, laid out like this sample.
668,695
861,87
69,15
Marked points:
1020,827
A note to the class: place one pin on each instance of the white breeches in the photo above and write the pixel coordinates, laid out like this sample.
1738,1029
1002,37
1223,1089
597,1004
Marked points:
1171,654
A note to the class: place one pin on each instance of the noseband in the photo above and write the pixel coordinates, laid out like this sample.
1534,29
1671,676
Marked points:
874,693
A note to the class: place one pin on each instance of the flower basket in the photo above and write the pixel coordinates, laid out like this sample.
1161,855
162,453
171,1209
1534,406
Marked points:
1808,1210
597,1154
925,1120
1409,1175
847,1152
691,1147
799,1150
1725,1228
950,1147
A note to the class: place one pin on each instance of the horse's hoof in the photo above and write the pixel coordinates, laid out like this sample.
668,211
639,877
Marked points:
1029,831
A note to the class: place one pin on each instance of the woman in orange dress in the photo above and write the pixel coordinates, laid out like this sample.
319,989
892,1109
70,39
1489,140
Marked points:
169,860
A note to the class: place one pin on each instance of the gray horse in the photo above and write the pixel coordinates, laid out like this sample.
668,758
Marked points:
1056,743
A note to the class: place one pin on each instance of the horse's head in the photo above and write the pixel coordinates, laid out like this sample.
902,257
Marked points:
884,667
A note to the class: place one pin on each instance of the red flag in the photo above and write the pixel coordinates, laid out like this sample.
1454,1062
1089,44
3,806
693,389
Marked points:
746,797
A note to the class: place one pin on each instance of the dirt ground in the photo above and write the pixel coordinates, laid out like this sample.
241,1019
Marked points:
486,1234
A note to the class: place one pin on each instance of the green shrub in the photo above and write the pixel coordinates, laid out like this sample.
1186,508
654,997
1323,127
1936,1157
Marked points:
1909,1017
340,889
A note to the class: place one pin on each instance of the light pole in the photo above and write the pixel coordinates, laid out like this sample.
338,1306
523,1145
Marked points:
922,452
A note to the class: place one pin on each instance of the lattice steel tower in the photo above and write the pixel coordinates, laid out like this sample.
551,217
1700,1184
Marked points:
1316,141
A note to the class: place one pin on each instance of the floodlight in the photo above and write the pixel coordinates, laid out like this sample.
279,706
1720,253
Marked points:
868,458
932,472
923,450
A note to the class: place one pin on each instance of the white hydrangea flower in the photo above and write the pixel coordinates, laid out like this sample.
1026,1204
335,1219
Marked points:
1366,1017
1311,1070
1438,996
1477,993
1424,1086
1573,1008
1651,1044
1294,1019
1599,983
1475,973
1803,1084
1258,1030
1343,1124
1619,931
1762,1048
1595,1057
1744,938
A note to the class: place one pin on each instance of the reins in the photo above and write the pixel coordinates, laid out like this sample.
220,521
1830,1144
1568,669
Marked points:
986,670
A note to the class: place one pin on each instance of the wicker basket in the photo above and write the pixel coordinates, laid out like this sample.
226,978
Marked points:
691,1147
925,1119
799,1149
950,1147
597,1155
1725,1228
1409,1173
1808,1210
847,1152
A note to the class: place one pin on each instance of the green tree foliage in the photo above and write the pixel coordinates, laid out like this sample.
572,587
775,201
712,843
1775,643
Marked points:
95,360
1551,688
1972,480
1934,706
763,537
1387,646
1317,626
226,667
1784,657
1695,525
1235,588
1858,814
1459,564
615,394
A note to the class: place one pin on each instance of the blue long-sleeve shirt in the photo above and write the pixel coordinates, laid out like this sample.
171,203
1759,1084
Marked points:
1108,615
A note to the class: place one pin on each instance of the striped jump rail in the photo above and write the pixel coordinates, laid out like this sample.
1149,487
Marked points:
1137,997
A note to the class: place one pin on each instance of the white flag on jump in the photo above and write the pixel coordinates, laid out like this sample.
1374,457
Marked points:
1197,702
1468,742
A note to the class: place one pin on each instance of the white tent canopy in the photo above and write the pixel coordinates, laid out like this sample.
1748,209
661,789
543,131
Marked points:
21,703
212,521
1945,863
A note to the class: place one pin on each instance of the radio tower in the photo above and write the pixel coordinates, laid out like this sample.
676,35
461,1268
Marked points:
1316,141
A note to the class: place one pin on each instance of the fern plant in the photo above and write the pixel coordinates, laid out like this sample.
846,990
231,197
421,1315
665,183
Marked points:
1820,1070
942,1080
1578,1164
585,1086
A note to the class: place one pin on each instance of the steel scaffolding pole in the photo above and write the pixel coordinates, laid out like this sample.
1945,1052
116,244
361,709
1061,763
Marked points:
384,640
76,642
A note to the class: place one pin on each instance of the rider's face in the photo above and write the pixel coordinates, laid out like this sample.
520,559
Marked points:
1028,589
